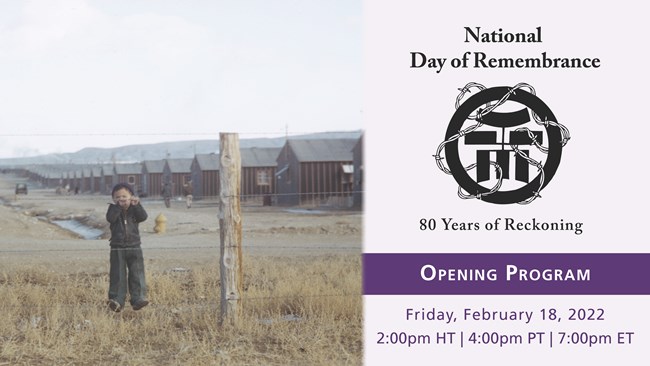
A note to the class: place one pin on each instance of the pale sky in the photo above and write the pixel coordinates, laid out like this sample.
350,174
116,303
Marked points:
89,73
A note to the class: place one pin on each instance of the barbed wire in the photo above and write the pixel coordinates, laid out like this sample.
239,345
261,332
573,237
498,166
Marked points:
145,248
85,196
279,133
478,116
243,298
176,308
180,307
86,134
496,187
52,216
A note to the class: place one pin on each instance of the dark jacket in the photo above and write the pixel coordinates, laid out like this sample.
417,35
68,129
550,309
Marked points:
166,190
124,224
188,190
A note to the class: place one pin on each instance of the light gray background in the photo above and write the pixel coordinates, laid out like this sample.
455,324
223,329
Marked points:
600,182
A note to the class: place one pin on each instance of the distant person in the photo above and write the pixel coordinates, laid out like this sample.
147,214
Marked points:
187,191
167,194
127,262
76,190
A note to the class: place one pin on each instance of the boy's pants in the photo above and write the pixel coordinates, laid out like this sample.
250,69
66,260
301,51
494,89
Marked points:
127,272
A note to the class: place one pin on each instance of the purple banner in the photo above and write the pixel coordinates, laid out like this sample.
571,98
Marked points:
506,274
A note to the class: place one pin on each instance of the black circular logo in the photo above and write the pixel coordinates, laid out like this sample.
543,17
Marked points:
487,101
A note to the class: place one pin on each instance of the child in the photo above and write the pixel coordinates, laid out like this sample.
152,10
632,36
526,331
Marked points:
187,191
167,194
127,263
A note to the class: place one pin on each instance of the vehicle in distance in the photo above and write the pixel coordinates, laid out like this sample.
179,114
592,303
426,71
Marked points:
21,188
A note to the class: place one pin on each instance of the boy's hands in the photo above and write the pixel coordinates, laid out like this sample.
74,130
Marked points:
125,203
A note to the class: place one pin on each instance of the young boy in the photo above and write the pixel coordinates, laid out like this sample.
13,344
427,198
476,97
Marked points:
187,191
127,263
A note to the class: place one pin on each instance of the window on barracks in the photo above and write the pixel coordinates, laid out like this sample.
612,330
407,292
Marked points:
263,178
348,173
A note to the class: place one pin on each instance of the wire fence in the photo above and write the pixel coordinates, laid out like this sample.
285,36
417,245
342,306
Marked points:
9,251
7,254
176,308
47,192
197,199
279,133
63,250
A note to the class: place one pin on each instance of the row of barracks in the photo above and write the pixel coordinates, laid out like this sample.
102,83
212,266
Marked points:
303,172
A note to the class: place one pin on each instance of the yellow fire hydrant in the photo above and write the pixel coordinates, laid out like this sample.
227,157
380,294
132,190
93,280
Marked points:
161,224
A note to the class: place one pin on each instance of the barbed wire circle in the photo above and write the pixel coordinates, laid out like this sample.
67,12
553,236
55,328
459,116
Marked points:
479,116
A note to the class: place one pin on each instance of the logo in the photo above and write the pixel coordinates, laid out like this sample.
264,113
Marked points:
508,139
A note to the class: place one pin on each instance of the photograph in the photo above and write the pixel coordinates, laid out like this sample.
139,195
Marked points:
181,183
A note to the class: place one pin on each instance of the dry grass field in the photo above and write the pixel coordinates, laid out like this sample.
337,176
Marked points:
302,302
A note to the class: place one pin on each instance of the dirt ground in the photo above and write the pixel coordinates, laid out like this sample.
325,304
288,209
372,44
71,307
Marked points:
28,237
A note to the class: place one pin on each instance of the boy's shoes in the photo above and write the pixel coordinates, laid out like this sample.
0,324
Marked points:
140,304
114,305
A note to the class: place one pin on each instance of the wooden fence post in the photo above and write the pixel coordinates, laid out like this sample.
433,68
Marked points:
230,226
